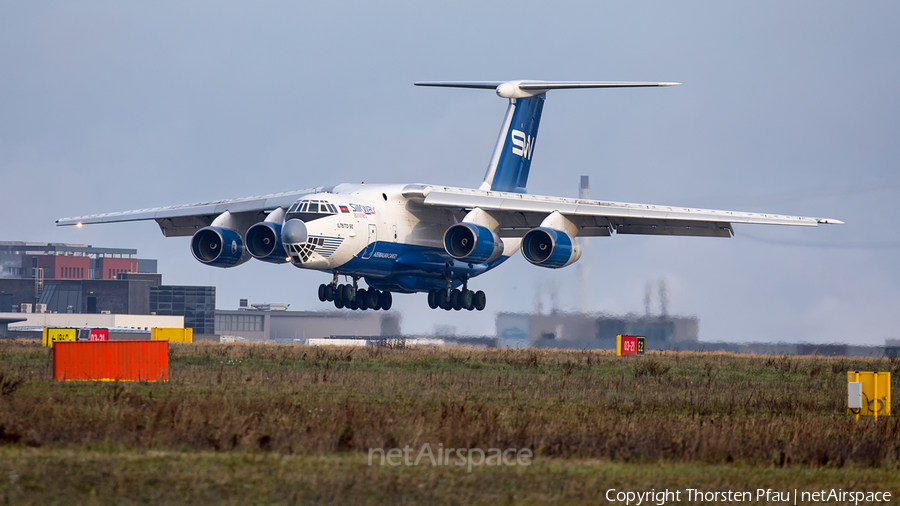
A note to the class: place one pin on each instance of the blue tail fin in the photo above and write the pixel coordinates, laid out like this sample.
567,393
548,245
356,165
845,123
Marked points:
511,161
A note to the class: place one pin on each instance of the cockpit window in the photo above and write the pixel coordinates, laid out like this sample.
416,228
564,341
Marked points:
307,210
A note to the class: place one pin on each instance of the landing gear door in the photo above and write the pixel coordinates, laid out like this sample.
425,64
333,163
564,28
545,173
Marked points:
373,236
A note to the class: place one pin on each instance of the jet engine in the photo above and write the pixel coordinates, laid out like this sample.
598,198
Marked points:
264,242
472,243
263,239
547,247
219,247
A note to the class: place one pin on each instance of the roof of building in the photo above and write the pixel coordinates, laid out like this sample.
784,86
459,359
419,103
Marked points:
54,248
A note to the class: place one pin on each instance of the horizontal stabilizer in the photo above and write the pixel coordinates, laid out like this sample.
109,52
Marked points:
522,89
485,85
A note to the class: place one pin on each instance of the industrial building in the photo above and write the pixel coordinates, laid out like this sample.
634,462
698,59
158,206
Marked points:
273,322
55,279
121,326
42,260
72,278
197,304
586,330
79,285
5,321
662,332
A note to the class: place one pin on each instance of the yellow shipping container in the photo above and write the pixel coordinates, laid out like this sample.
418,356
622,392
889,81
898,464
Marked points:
172,335
50,335
876,393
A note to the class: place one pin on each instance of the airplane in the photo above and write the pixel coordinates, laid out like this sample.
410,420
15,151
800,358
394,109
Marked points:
409,238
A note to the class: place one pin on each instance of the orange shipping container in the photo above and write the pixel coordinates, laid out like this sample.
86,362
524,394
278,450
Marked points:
111,360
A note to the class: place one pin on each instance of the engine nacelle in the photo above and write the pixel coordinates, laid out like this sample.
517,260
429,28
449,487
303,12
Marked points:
264,242
550,248
219,247
472,243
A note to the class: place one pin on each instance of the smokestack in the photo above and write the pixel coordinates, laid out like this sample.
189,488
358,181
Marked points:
647,291
663,298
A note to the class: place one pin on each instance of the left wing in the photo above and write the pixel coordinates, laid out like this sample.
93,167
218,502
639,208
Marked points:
520,213
185,219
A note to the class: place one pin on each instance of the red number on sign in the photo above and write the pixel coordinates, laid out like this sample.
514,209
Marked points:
99,335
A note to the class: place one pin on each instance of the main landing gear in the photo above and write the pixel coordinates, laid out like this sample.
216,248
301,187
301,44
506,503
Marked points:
456,299
352,298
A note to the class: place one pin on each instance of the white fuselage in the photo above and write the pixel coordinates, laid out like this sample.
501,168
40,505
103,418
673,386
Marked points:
380,234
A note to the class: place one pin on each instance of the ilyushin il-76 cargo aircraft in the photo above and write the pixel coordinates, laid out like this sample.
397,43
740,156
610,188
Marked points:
409,238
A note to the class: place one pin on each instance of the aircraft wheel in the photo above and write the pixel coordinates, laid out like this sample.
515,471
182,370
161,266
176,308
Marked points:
432,299
322,297
373,298
469,300
338,300
480,300
362,299
385,300
353,304
346,294
329,293
443,298
446,303
456,299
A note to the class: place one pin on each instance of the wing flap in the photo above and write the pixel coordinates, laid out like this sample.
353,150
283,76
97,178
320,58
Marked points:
674,227
183,226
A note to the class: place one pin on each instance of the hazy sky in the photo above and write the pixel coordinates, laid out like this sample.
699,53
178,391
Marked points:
787,107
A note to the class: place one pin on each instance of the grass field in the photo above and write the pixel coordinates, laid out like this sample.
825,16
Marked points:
247,424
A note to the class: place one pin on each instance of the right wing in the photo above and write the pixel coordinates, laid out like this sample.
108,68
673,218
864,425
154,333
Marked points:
519,213
185,219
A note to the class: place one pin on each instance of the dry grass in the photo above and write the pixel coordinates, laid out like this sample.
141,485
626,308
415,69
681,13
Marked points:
682,407
44,476
696,409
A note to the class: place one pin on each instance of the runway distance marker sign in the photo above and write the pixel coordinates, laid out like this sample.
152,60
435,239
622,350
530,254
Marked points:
629,345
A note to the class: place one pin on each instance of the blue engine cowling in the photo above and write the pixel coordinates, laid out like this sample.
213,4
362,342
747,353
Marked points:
219,247
550,248
472,243
263,242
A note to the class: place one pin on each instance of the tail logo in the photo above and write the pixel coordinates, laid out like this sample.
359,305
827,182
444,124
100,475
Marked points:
522,144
